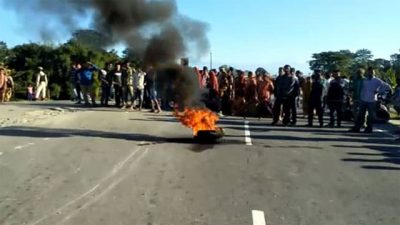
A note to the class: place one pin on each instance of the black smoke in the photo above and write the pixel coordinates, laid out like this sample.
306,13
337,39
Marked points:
153,29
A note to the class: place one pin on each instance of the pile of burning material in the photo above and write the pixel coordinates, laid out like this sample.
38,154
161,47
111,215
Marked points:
203,123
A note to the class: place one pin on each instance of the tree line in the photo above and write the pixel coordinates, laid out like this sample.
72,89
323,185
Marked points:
87,45
349,62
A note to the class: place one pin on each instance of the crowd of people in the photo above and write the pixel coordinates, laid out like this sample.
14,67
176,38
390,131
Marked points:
121,82
229,91
235,92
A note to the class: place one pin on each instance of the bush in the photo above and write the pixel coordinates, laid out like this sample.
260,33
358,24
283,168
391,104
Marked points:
55,91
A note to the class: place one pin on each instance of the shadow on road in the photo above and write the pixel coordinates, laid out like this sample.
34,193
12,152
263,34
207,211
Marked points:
143,139
386,155
389,151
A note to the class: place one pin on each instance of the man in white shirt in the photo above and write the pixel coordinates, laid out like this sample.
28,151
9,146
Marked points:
368,97
41,84
139,88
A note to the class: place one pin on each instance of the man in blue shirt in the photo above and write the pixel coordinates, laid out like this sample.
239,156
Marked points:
87,83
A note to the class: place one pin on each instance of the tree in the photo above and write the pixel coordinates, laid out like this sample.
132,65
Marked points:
91,39
362,57
329,61
3,52
131,56
395,60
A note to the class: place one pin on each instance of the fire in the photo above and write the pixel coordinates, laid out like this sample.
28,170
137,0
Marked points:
198,119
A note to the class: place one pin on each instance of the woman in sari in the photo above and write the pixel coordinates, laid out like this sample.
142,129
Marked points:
3,84
265,90
239,102
251,95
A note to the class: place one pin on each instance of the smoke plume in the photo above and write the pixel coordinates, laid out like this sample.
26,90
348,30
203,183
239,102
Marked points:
153,29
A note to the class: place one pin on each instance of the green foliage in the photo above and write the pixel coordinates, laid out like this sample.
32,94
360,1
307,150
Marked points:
349,62
24,60
3,52
329,61
91,39
55,91
390,77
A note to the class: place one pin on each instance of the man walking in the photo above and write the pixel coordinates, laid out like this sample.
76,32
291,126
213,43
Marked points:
370,86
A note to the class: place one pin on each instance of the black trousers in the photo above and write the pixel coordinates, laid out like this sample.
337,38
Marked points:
118,95
338,108
105,94
293,110
315,104
285,104
78,92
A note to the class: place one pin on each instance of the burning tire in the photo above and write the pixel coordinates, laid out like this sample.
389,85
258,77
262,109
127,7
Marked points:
209,136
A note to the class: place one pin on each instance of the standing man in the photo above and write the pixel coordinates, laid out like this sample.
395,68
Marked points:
87,83
315,99
326,82
41,84
117,82
293,97
128,84
139,78
335,99
355,88
284,87
76,81
105,87
151,88
368,97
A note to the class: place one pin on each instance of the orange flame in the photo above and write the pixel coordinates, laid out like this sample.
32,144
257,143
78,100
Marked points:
198,119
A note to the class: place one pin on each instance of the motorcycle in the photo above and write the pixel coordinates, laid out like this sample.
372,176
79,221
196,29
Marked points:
382,113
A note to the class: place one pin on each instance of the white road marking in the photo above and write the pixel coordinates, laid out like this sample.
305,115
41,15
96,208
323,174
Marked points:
46,139
1,153
247,137
258,217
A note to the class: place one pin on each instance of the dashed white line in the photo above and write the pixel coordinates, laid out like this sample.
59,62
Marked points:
258,217
247,137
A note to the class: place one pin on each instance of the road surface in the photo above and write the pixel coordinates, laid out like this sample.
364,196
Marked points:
107,166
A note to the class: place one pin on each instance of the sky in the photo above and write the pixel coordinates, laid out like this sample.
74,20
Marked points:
271,33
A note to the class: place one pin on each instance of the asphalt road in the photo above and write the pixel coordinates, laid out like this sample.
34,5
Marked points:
106,166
